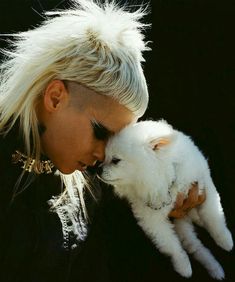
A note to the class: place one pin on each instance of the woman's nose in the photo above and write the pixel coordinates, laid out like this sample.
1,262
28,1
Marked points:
99,152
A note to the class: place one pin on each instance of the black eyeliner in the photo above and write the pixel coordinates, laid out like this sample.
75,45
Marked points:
100,132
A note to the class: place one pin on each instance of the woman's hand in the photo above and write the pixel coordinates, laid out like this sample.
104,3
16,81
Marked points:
184,205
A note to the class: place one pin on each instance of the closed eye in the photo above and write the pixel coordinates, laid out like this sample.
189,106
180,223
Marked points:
100,131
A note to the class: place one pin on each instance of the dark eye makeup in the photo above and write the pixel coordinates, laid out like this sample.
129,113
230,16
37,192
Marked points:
100,131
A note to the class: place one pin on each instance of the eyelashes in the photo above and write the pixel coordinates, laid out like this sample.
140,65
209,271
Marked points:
100,132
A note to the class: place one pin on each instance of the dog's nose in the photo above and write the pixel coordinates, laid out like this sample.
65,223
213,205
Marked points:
99,170
96,169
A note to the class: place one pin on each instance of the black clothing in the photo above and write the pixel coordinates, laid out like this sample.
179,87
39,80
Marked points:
30,236
116,249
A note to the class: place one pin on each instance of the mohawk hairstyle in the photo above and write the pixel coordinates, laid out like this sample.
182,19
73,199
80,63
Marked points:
97,45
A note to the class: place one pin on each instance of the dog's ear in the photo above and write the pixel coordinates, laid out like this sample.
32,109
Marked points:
161,142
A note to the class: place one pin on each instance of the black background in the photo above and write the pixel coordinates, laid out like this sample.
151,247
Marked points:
190,73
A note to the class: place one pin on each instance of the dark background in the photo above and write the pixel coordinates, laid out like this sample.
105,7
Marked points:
190,72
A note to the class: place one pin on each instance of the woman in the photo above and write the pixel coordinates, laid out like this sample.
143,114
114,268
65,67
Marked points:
66,87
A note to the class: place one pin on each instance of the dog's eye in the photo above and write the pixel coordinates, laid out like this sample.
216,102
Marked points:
115,161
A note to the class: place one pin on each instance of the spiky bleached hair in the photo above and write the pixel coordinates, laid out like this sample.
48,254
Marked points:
97,45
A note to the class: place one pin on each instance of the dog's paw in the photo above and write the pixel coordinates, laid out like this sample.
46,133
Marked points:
225,240
182,265
217,272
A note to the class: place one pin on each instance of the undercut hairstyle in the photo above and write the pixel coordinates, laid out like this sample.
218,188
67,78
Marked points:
97,45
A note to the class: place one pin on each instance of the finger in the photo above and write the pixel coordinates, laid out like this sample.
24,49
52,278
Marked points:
179,201
201,198
192,199
177,214
194,190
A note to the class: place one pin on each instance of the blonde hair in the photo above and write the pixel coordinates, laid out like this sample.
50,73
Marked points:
99,46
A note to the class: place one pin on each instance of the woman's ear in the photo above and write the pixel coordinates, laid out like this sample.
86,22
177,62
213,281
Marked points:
55,95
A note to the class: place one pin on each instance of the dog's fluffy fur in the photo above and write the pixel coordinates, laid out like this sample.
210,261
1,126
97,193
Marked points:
149,163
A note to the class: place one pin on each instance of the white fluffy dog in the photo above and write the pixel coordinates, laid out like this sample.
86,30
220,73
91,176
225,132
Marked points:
148,163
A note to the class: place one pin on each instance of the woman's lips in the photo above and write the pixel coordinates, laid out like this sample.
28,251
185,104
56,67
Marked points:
82,166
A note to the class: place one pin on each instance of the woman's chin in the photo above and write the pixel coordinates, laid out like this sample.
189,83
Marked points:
66,170
70,168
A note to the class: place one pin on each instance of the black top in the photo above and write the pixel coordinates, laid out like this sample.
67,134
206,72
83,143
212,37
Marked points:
30,238
115,250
